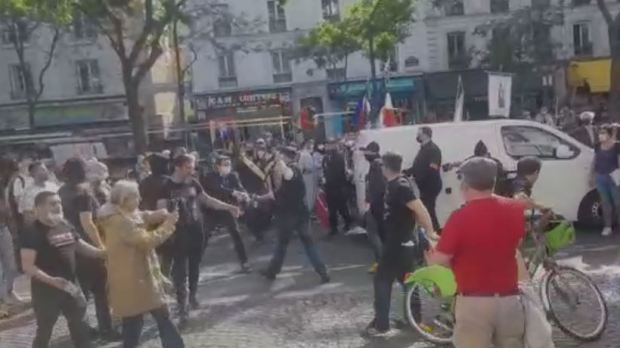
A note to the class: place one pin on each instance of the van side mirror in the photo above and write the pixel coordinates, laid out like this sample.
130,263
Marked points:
563,152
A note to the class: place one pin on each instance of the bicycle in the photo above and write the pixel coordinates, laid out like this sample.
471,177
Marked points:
559,286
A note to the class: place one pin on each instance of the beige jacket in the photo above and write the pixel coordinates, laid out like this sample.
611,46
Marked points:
135,282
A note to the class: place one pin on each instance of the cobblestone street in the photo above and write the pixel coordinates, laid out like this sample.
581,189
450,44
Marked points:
295,311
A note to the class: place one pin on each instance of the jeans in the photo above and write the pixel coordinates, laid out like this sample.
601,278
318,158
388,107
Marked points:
48,303
186,265
287,225
168,333
93,278
610,198
428,196
394,264
7,260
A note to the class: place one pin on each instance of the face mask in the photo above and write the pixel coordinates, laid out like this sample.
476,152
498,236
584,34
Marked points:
419,139
225,170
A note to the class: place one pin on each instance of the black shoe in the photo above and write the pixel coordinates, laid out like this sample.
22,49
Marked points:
325,279
111,336
193,303
268,275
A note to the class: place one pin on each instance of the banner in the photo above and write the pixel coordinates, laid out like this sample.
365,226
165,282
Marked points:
500,94
460,101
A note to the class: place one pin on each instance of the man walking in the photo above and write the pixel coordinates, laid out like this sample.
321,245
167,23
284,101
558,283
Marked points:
479,243
49,248
375,192
335,173
403,209
291,216
426,172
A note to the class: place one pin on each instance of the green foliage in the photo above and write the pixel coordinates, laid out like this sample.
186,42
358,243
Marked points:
57,12
328,44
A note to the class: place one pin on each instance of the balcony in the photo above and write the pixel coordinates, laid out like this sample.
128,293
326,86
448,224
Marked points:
577,3
282,77
227,82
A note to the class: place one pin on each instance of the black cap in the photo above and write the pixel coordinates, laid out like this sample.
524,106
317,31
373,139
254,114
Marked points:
479,173
373,146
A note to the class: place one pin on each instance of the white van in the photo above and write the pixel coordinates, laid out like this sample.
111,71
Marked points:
563,183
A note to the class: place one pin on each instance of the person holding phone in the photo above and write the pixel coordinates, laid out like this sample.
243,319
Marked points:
49,247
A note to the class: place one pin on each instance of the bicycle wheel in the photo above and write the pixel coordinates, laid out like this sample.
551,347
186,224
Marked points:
575,303
429,315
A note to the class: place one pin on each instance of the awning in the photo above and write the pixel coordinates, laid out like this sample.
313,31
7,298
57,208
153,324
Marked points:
593,72
355,90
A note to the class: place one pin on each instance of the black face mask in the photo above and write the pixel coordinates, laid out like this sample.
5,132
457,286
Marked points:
419,139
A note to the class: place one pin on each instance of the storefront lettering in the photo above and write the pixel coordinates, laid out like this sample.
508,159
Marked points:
244,100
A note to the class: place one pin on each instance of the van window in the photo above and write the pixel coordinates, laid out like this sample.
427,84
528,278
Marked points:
522,141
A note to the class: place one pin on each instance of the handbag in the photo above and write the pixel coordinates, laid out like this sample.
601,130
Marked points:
538,331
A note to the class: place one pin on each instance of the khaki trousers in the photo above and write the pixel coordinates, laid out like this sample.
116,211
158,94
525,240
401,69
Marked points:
489,322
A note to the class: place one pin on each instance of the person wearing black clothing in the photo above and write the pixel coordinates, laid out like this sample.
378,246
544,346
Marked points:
292,216
49,250
402,210
425,171
375,191
335,174
184,193
80,208
226,186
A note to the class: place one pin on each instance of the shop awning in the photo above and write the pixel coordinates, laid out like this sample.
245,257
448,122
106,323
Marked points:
356,89
593,72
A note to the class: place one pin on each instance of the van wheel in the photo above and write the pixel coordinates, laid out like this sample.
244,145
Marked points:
590,210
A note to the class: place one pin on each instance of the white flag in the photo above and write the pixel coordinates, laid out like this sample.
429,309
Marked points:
460,101
500,94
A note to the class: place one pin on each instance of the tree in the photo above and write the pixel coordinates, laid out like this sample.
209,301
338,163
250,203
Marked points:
24,19
613,30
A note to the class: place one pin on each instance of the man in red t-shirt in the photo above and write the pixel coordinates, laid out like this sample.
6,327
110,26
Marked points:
479,242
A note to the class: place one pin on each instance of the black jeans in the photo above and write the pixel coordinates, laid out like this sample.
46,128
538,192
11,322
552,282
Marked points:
168,333
186,264
48,303
395,262
428,196
287,225
337,204
232,226
93,278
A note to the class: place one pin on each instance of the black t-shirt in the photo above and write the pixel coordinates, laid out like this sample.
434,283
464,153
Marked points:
521,185
399,219
55,247
76,200
421,169
375,183
184,196
152,189
290,196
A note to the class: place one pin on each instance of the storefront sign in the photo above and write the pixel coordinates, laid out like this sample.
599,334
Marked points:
243,99
357,89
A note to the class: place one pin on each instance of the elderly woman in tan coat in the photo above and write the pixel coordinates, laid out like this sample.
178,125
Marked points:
136,285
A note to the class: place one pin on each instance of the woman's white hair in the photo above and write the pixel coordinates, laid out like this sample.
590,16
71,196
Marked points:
123,189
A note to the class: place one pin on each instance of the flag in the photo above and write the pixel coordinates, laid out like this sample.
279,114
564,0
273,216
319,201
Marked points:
388,116
306,118
361,113
499,94
460,101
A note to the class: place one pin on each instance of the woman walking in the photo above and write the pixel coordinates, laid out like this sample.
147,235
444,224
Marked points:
136,284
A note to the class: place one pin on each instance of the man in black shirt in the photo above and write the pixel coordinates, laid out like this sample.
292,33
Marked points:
292,216
226,186
335,173
402,209
49,249
425,171
375,191
184,193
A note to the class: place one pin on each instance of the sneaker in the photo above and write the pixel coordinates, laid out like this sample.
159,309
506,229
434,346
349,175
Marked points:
371,332
606,232
373,268
268,275
193,303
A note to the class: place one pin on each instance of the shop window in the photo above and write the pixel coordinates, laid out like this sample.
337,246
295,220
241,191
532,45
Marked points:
89,77
500,6
222,25
227,74
15,32
454,8
281,67
331,10
524,141
581,39
83,28
19,76
277,17
456,50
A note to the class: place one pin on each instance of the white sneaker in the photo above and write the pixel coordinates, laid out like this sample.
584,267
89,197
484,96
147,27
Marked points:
606,232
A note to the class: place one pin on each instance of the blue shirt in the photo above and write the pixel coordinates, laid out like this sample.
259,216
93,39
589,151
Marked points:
606,161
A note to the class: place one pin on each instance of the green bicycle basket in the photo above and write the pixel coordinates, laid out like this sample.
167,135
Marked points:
440,277
560,236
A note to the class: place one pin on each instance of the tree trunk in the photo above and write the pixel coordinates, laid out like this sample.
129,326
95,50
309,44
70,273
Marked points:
180,83
614,78
374,93
136,117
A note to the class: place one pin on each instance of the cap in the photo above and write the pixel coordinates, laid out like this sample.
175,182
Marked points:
373,146
479,173
288,151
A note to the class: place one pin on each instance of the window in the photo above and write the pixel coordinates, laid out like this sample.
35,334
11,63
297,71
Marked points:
522,141
336,73
222,25
541,3
89,77
83,29
18,77
581,39
500,6
331,10
392,63
454,8
15,32
456,50
281,67
581,2
228,75
277,18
